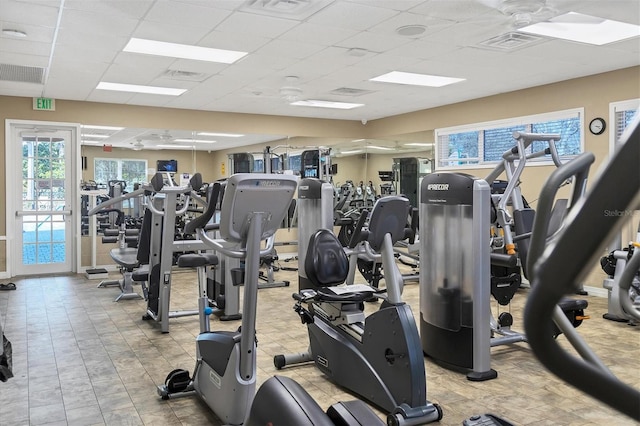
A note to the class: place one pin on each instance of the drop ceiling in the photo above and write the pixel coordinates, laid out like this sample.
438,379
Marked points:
332,48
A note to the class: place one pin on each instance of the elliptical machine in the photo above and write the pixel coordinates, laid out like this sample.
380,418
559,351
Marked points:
378,357
225,371
253,207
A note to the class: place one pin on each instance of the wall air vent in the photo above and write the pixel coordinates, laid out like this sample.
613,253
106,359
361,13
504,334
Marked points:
350,91
510,41
22,74
292,9
184,75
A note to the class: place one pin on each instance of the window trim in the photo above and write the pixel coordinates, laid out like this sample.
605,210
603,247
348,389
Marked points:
615,107
119,160
506,122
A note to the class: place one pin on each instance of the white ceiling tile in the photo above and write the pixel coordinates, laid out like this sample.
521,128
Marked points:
135,9
351,16
76,87
255,25
90,41
219,4
234,41
88,22
313,33
23,45
579,53
45,15
15,88
339,56
88,54
136,69
630,46
25,59
390,4
385,62
149,100
423,49
457,10
35,33
374,42
78,68
203,67
169,32
467,34
259,64
430,23
290,49
186,14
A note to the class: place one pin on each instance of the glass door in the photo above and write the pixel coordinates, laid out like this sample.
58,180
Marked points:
43,232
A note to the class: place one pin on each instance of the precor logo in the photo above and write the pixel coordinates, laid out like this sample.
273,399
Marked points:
438,187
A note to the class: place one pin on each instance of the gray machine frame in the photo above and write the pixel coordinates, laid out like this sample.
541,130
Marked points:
559,266
357,351
620,306
125,257
163,205
447,340
253,207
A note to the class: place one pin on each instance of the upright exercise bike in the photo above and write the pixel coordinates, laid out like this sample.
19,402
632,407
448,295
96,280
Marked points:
378,357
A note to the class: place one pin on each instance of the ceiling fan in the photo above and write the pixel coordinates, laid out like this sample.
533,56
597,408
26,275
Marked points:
521,13
288,92
137,145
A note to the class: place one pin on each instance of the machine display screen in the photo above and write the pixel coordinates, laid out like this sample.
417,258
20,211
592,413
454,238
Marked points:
167,166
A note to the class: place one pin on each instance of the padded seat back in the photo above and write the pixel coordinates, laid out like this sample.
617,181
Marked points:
280,400
389,216
326,263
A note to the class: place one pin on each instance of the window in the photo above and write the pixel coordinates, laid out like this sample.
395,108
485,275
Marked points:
128,170
295,163
480,144
621,114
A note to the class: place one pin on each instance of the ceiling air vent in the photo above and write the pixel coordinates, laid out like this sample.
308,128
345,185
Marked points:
350,91
510,41
184,75
293,9
21,73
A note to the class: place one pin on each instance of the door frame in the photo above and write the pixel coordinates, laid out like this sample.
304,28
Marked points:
11,181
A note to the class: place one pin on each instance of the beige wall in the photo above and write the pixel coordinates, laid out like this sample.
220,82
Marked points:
593,93
188,161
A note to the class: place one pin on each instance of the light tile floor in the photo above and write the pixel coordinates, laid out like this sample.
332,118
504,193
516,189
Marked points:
82,359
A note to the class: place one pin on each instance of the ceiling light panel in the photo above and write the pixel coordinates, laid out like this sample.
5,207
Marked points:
224,135
96,127
95,135
183,51
584,29
326,104
153,90
173,147
414,79
194,140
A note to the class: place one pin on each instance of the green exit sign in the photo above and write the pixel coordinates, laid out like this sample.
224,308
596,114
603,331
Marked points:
44,104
